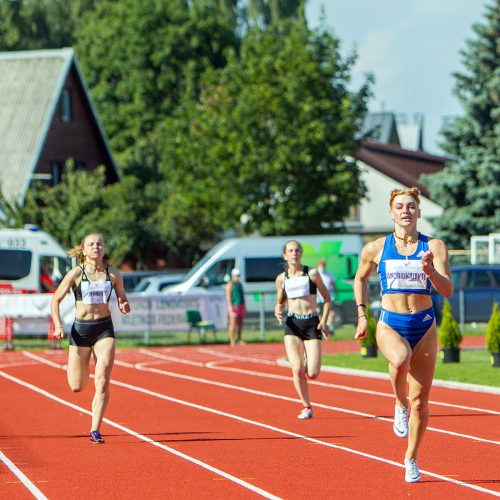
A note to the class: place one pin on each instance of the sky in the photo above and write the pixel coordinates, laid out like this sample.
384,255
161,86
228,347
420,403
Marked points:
411,46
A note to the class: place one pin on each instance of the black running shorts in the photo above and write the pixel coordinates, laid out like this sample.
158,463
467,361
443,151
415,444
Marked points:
86,332
305,329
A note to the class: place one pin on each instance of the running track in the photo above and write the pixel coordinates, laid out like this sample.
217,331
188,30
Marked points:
219,422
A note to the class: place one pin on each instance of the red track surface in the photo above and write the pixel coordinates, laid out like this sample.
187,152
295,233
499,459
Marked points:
220,422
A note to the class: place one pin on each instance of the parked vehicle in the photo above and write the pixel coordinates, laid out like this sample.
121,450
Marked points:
31,261
132,278
477,288
157,282
260,261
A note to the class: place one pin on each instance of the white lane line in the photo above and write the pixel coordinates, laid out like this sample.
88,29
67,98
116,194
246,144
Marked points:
213,365
140,366
361,373
262,425
188,458
22,477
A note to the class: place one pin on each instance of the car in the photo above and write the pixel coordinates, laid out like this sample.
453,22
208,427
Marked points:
477,288
157,282
132,278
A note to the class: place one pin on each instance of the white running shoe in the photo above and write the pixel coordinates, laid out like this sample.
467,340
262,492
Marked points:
305,414
412,474
400,425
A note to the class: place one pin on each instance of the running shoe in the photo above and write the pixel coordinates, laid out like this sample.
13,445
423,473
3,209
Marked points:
305,414
412,474
95,437
400,421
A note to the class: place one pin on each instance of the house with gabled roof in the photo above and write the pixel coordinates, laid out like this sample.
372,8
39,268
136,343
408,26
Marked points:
385,164
46,118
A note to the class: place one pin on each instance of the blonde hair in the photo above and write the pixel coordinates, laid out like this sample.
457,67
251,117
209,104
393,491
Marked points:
77,251
413,192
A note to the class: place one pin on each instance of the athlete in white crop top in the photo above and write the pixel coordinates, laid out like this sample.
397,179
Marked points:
297,287
408,263
92,331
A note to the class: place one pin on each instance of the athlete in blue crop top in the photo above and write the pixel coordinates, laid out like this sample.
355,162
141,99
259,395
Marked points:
297,287
92,331
408,264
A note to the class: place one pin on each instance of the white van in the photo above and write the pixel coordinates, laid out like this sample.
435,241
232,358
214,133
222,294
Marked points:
31,261
260,261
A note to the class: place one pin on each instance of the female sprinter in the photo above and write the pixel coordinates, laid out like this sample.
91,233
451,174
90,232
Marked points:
92,333
408,263
297,287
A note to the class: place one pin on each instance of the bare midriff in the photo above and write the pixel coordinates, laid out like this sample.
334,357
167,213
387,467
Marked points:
302,305
403,303
92,311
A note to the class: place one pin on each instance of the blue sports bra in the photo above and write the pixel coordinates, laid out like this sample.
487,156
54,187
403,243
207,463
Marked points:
403,274
93,292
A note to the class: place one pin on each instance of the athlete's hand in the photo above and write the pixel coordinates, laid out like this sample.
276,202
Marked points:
123,305
427,259
278,313
325,331
361,329
59,332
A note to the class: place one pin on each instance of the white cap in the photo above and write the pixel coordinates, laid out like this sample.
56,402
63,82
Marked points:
235,272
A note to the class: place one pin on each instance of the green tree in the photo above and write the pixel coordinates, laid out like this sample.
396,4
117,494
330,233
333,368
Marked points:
268,12
449,333
40,24
467,188
140,57
493,331
83,203
269,146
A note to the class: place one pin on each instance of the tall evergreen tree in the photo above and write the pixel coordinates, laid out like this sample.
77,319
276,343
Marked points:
468,187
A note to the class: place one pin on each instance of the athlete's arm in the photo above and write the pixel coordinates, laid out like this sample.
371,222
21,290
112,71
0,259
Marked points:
436,266
280,298
365,267
121,295
62,290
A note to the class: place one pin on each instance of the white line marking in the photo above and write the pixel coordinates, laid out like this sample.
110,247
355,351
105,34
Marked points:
251,422
26,482
193,460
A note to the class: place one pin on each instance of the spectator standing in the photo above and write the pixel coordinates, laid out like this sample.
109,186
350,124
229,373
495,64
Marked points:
236,306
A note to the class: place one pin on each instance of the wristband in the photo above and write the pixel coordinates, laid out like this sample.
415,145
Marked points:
362,316
360,305
430,274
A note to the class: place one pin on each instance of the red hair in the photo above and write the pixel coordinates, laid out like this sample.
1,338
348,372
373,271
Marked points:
413,192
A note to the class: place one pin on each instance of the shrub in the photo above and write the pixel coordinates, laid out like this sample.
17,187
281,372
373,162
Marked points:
371,328
449,334
493,331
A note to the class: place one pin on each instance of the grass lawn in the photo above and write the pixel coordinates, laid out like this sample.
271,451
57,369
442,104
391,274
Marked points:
474,367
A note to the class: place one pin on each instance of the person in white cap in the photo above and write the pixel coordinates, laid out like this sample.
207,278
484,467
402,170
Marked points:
236,307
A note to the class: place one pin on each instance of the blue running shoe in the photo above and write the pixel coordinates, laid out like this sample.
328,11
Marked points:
95,437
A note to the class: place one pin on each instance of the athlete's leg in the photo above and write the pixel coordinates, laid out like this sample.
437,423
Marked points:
232,329
422,365
239,328
398,352
294,351
78,367
313,353
104,355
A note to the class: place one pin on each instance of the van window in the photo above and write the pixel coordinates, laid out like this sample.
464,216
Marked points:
262,269
218,274
52,270
14,264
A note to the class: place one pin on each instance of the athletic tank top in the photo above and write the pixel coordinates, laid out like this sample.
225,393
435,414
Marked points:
93,292
299,286
237,295
403,274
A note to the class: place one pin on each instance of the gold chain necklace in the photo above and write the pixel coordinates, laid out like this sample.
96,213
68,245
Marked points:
406,240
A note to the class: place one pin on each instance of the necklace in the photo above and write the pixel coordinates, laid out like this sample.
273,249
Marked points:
407,240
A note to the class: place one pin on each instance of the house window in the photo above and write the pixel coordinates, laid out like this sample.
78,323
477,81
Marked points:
66,106
56,167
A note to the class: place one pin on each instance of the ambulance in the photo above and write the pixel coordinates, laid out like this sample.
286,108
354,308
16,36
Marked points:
31,261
